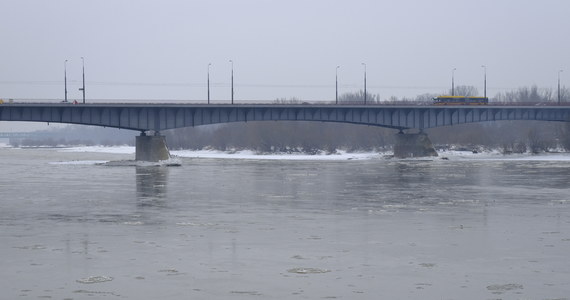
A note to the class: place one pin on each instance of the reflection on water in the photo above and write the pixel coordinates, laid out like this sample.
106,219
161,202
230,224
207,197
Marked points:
151,185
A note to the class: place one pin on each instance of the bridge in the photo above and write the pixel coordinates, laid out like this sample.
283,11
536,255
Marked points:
146,117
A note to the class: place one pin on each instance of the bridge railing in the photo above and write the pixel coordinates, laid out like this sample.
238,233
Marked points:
259,102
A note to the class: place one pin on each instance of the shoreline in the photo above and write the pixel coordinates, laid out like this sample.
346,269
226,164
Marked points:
339,155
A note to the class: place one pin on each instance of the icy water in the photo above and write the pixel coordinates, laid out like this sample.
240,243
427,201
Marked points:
463,228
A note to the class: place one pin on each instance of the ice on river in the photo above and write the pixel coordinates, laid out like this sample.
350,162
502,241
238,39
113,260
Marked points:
242,154
340,155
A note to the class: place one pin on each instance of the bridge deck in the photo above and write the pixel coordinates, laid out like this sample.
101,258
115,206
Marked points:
158,117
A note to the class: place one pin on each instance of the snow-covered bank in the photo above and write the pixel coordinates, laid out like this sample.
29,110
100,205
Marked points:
497,155
341,155
79,162
101,149
174,162
243,154
248,154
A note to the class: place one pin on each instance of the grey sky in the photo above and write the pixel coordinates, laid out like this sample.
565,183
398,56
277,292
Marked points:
281,49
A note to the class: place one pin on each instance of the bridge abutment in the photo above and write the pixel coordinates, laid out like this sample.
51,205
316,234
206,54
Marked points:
151,148
413,145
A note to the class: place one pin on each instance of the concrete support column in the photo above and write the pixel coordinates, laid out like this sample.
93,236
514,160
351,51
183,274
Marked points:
151,148
413,145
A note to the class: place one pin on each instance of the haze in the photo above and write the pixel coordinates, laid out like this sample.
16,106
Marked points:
281,49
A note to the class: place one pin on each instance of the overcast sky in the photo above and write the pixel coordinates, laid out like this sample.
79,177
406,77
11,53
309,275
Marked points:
281,49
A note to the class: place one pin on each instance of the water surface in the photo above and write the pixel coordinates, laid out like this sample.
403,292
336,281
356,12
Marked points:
279,229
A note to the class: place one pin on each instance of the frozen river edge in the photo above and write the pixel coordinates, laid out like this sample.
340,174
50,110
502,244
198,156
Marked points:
340,155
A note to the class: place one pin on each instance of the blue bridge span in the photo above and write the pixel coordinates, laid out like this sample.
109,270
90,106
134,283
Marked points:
159,117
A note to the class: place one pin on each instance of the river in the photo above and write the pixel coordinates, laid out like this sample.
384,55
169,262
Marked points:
362,227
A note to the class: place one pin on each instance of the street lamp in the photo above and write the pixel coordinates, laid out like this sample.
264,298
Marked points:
336,86
209,82
83,88
65,78
364,83
453,82
484,81
231,61
559,71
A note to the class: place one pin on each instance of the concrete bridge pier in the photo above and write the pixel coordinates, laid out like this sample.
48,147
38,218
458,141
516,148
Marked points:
151,147
413,145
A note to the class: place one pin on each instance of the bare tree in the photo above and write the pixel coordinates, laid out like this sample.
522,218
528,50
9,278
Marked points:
426,97
465,90
358,98
564,95
293,100
526,94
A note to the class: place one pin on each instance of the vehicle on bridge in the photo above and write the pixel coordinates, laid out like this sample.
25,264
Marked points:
460,100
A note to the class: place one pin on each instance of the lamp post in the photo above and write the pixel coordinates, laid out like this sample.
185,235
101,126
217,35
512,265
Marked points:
65,78
559,71
231,61
83,87
364,83
453,82
336,84
209,82
484,81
